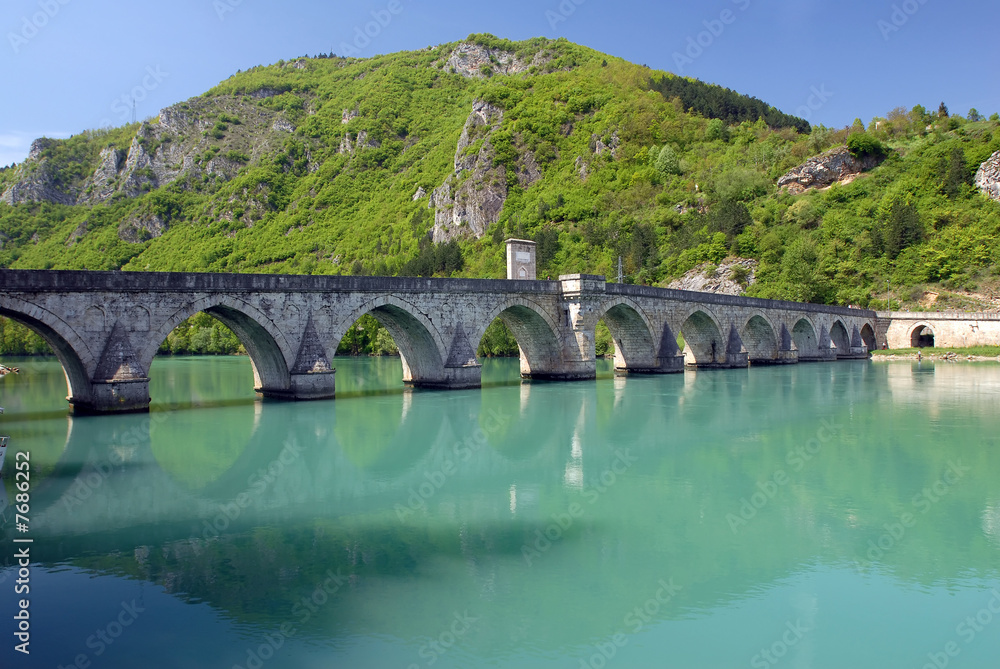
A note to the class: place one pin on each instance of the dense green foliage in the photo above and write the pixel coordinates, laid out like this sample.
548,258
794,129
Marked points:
712,101
662,171
202,335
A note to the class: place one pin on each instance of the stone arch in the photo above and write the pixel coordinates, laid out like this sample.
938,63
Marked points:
868,337
805,339
534,330
421,348
840,337
704,343
760,339
73,353
921,335
631,331
267,347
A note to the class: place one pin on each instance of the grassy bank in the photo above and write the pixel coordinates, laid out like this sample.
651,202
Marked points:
974,351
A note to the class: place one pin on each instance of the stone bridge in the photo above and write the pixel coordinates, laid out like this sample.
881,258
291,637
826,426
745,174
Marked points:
105,327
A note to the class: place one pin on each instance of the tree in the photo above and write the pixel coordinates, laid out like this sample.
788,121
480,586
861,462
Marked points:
942,110
667,162
903,227
731,217
718,130
956,173
642,247
546,245
974,115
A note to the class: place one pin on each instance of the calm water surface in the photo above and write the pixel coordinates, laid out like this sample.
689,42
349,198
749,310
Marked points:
826,515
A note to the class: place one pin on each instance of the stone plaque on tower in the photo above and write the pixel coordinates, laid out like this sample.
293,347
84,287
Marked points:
520,259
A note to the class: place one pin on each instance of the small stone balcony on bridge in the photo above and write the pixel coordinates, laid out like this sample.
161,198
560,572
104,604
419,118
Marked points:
106,327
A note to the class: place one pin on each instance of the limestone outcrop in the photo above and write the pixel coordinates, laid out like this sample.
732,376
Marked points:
36,180
470,199
214,137
988,177
475,60
721,279
836,165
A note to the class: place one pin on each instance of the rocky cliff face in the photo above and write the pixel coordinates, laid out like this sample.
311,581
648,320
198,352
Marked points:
471,198
988,177
474,60
37,181
189,138
836,165
719,279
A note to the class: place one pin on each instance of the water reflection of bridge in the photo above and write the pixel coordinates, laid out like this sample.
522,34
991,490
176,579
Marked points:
561,440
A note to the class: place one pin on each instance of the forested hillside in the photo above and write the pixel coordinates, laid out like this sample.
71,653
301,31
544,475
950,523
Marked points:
422,162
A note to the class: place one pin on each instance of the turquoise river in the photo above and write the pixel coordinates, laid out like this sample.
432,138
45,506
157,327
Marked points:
831,515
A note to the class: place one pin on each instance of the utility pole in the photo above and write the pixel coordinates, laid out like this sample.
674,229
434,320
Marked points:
620,269
888,297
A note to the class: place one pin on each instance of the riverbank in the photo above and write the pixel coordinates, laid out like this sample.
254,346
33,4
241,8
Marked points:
972,354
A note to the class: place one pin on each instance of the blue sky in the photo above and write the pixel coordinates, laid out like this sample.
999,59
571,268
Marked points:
70,65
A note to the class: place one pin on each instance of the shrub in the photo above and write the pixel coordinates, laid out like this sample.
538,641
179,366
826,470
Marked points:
861,144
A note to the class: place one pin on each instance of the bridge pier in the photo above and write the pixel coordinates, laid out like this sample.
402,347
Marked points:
453,378
780,358
669,364
112,396
305,386
818,355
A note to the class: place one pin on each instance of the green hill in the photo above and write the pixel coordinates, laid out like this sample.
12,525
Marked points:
422,162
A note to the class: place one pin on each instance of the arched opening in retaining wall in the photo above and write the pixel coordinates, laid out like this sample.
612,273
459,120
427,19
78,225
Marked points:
760,340
703,341
77,378
840,338
634,346
922,336
804,336
868,337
